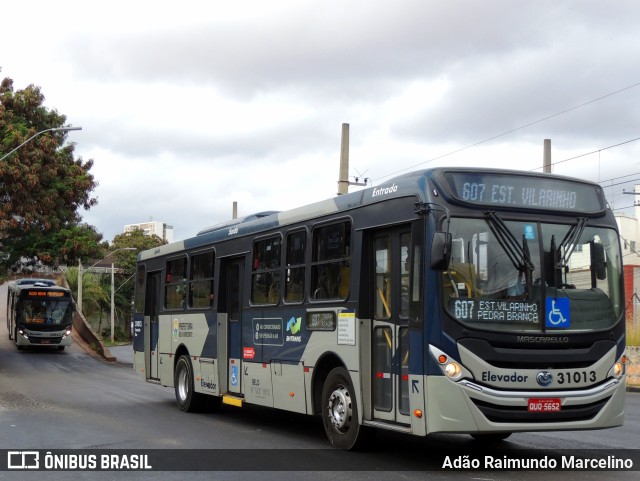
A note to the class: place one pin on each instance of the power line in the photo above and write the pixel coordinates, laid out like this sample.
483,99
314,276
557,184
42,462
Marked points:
621,208
621,177
514,130
619,183
590,153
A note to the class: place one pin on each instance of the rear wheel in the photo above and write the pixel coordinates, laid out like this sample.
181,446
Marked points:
340,411
187,399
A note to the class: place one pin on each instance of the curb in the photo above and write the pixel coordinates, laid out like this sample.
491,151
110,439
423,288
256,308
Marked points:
105,355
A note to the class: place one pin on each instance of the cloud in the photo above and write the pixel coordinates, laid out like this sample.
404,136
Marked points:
186,108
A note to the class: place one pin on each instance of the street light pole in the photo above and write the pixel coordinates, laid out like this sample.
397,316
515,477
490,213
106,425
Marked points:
55,129
80,286
113,301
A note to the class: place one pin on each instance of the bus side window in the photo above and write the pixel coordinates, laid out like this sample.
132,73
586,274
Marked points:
295,262
331,267
265,275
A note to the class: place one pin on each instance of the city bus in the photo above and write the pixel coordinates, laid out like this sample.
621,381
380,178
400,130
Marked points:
39,313
448,300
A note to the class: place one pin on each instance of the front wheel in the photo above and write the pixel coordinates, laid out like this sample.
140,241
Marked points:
340,411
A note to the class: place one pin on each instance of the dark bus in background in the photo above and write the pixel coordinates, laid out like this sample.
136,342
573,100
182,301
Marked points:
39,313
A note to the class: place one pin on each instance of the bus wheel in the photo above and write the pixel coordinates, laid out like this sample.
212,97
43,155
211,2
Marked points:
490,437
340,410
188,400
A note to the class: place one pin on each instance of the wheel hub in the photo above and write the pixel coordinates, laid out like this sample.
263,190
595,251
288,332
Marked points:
340,408
183,385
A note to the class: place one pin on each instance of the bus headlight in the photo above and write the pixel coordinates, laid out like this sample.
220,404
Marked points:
619,367
66,334
451,368
23,334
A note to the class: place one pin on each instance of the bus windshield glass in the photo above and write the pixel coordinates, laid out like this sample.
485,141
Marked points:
534,277
46,312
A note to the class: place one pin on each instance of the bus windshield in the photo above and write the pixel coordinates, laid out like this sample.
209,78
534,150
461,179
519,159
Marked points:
531,276
46,312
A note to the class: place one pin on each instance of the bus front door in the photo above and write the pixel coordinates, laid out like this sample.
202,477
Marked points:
390,336
151,319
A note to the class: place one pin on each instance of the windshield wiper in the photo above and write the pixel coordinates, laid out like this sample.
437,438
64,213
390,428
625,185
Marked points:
518,254
569,244
570,241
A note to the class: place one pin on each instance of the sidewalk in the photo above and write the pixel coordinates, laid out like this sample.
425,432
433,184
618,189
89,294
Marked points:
123,354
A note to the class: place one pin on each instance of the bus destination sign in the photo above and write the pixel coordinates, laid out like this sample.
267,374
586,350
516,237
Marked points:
526,192
46,294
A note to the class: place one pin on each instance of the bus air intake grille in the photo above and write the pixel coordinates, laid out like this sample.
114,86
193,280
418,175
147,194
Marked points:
45,340
519,414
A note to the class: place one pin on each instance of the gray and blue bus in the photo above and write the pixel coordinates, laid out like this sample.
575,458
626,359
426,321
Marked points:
39,313
447,300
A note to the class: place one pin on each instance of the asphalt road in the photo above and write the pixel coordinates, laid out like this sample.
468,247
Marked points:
69,400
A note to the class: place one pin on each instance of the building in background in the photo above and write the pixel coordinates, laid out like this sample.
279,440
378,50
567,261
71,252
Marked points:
161,229
629,227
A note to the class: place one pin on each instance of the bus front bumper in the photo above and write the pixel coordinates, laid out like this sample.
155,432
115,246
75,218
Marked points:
465,406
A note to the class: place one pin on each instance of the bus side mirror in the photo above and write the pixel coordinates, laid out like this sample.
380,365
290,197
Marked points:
440,251
598,261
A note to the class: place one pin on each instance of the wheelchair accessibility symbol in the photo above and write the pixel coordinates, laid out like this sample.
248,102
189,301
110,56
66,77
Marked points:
557,313
234,376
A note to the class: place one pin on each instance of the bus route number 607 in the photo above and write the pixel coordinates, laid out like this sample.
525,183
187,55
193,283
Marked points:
464,309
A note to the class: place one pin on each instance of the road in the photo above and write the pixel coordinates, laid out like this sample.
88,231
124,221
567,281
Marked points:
51,400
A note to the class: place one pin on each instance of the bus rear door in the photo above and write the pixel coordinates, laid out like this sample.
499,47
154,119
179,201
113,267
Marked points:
233,274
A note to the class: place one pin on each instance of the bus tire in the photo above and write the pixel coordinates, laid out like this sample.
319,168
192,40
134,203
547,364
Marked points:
187,399
340,411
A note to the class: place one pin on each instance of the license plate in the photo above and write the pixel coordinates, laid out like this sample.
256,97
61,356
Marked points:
544,405
45,341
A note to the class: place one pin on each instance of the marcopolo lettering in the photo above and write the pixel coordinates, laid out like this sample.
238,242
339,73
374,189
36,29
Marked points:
384,190
488,376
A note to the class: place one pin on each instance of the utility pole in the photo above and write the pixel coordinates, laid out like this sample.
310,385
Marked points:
546,162
343,179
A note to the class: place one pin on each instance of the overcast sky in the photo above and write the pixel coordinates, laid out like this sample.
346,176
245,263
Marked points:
188,106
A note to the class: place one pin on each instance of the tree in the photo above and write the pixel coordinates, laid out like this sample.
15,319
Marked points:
139,241
62,246
42,185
